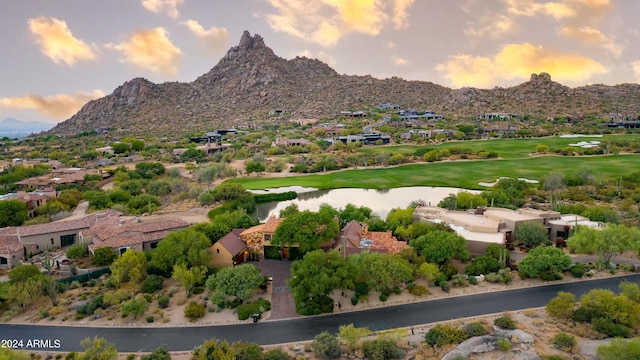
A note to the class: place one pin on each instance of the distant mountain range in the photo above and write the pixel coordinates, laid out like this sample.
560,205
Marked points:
12,128
250,82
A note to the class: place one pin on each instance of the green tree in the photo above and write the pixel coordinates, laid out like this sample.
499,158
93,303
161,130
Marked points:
213,349
213,230
544,259
10,354
467,200
399,217
188,247
429,272
352,212
103,256
382,349
326,346
239,281
24,272
159,353
247,351
97,199
561,306
131,266
314,277
601,213
306,229
254,167
188,277
531,233
439,246
381,271
150,170
608,243
553,183
98,349
136,307
620,349
26,291
350,335
121,147
13,213
143,203
76,251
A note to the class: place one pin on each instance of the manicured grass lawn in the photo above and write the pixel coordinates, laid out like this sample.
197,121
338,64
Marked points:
506,148
463,174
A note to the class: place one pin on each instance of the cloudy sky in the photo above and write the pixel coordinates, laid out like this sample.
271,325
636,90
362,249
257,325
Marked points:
58,54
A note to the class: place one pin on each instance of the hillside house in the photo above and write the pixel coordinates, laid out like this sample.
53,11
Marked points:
291,142
230,250
64,176
18,242
355,238
259,236
107,150
32,200
121,234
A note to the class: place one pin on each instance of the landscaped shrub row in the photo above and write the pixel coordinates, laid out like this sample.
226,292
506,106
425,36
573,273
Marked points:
257,307
266,198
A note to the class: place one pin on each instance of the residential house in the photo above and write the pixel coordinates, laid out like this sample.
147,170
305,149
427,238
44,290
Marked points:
21,241
355,238
389,107
303,122
366,139
414,115
32,200
259,236
494,116
121,234
107,150
230,250
284,142
57,177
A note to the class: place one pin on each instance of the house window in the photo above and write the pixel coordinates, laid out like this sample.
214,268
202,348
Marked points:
52,243
153,245
217,251
267,237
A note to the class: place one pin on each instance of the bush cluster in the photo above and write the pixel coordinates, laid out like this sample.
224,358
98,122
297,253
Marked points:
441,335
194,311
563,341
505,322
152,284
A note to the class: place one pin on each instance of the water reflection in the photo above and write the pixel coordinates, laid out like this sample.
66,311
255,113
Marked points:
380,201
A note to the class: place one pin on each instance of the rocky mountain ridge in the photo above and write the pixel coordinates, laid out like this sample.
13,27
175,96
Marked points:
250,81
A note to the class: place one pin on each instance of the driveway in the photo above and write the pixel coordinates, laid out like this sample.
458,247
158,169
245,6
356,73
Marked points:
282,304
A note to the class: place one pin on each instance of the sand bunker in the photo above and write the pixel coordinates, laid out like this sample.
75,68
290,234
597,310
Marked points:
506,177
586,144
569,136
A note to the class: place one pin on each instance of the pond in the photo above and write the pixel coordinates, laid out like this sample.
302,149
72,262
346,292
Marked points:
379,201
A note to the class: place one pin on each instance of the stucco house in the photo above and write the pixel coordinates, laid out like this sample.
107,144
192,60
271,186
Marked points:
259,236
229,250
122,234
355,238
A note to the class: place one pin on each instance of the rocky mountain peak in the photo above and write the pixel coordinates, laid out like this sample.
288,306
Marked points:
543,77
247,44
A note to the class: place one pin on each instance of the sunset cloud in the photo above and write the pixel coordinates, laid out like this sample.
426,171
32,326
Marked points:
636,69
58,43
216,37
325,22
399,61
557,10
320,55
517,61
150,50
592,36
59,107
493,26
168,7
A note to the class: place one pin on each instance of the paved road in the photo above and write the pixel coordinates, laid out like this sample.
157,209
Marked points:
301,329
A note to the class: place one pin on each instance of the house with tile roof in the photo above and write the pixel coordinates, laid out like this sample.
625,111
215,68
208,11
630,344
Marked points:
230,250
355,238
122,234
259,236
18,242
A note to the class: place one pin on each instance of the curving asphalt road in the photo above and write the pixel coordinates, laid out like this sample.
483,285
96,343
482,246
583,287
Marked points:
37,337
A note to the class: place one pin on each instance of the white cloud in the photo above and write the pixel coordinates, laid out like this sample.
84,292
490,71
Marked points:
168,7
517,61
214,36
325,22
61,106
592,36
399,61
150,50
58,43
320,55
493,26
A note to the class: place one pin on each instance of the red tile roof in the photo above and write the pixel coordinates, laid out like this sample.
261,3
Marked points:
117,232
10,244
59,226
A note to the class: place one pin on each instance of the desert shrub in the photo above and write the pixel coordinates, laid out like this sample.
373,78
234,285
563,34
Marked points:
482,265
562,305
246,310
275,354
263,305
441,335
611,329
502,276
194,311
444,285
76,251
505,322
326,346
354,300
152,284
474,329
577,270
383,297
553,357
197,290
550,276
361,289
163,302
382,349
448,269
459,280
563,341
473,280
504,344
419,290
150,318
